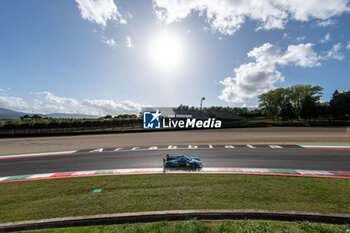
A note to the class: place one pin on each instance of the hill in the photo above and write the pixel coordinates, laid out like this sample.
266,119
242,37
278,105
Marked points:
8,114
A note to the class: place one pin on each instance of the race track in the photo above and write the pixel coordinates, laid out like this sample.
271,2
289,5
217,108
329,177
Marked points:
220,156
263,135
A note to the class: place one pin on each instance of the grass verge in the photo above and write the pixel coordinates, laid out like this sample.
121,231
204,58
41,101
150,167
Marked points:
42,199
194,226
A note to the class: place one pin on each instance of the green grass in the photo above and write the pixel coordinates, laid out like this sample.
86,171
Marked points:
41,199
194,226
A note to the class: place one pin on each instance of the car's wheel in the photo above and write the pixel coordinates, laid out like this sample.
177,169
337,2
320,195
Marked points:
188,164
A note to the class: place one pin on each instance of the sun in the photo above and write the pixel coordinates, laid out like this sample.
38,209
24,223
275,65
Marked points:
166,51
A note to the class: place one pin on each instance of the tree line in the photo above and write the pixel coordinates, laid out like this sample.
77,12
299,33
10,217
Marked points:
241,111
303,102
39,122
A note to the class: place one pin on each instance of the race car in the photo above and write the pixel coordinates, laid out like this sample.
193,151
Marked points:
181,161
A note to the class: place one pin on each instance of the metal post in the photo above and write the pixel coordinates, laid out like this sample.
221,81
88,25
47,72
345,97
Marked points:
203,98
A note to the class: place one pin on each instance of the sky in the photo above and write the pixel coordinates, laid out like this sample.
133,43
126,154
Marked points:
104,57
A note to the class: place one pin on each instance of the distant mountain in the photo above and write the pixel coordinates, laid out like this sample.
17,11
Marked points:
69,115
8,114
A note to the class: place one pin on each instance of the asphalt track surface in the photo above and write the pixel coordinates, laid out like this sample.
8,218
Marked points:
239,156
263,135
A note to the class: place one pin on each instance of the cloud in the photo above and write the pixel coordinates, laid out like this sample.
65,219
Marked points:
2,91
301,55
113,108
100,11
326,23
227,16
50,108
255,78
59,100
36,101
122,21
47,103
348,45
14,103
129,43
110,42
301,38
334,53
129,15
326,38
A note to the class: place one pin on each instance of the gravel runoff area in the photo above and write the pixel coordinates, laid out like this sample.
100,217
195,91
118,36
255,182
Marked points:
265,135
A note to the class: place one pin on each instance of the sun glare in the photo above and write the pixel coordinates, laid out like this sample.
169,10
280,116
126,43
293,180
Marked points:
166,51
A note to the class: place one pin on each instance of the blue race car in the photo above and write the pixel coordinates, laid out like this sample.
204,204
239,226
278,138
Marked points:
181,161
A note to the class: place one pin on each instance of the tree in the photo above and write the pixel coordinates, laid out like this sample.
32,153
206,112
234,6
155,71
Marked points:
267,105
36,117
336,92
288,112
183,107
296,94
308,108
340,104
272,102
323,110
25,117
108,117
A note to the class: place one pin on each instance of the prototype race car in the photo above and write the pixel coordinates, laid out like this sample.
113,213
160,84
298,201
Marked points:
181,161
